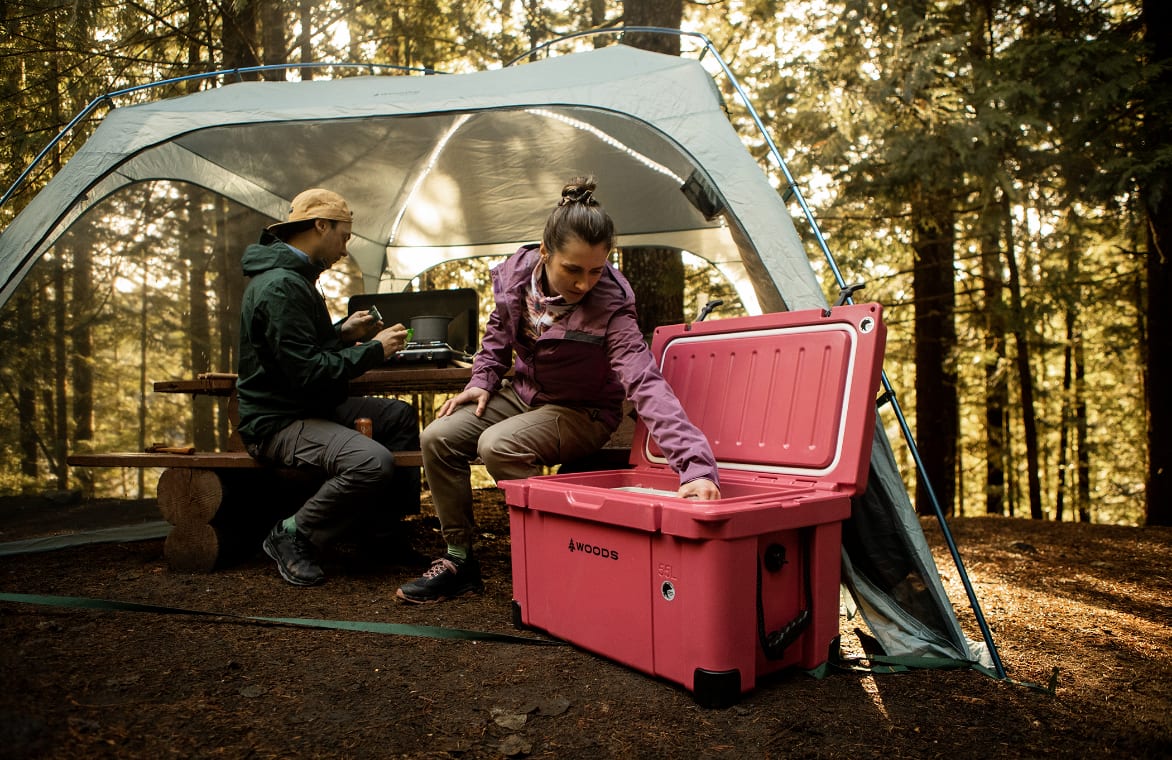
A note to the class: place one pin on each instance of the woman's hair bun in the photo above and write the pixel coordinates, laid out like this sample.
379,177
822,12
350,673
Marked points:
579,190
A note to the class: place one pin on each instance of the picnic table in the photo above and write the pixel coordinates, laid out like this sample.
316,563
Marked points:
217,501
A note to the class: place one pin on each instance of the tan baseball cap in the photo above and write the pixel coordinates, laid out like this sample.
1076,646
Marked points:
317,203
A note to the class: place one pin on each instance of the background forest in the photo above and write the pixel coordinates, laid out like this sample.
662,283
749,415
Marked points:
994,171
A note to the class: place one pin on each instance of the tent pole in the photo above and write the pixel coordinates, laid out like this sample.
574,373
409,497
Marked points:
986,633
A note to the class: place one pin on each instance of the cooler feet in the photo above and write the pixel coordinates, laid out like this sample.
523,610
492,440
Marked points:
716,688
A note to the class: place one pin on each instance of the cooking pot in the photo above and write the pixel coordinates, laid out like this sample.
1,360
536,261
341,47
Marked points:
430,328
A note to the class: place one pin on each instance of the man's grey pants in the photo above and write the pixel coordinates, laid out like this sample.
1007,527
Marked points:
358,468
513,439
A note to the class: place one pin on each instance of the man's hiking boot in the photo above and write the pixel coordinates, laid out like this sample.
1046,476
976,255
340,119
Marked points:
294,555
446,578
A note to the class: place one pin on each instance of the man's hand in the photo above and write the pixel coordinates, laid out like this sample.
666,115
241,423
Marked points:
393,338
466,396
358,326
701,488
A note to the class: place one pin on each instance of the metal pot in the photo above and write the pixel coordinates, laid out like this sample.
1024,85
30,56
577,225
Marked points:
430,328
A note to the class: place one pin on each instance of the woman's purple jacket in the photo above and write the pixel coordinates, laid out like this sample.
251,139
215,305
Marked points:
593,358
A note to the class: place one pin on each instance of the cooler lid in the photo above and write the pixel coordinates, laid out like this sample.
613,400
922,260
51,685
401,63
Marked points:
789,393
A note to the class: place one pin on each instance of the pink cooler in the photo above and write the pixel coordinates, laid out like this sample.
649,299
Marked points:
713,594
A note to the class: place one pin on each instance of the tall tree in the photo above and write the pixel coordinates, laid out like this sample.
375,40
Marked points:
996,375
1025,377
1156,194
935,332
656,274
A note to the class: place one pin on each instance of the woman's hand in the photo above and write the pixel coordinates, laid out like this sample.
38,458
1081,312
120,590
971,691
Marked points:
701,488
466,396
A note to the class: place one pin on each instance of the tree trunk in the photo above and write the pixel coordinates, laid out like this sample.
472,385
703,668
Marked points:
1065,418
203,433
662,13
238,24
1155,193
1082,449
305,40
81,342
230,290
275,46
60,370
26,392
937,403
996,378
657,279
1025,377
143,336
656,274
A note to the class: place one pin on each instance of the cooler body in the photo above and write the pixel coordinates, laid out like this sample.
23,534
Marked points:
674,591
713,594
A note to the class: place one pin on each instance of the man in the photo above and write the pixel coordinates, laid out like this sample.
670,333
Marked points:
294,370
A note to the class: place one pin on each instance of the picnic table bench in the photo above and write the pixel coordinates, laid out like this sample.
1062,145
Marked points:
219,503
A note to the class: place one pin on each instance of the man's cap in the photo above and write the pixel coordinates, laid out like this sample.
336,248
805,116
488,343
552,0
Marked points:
317,203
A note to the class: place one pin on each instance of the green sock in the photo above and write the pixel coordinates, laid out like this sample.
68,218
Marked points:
289,524
459,552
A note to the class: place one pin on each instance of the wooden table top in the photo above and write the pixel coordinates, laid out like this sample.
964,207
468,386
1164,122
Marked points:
414,379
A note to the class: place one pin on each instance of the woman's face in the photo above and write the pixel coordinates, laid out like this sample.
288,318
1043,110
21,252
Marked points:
574,269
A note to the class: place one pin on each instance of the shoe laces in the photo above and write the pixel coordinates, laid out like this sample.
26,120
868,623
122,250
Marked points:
439,567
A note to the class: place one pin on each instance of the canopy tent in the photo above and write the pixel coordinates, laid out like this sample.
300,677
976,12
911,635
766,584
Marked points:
444,167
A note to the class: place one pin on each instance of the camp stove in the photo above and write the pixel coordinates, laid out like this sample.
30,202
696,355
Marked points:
428,352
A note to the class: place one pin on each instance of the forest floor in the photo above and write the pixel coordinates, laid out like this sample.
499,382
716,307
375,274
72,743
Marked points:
1084,608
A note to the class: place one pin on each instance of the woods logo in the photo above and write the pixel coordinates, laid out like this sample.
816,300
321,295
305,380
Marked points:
597,551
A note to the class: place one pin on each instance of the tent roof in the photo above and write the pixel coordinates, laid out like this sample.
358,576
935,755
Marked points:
447,166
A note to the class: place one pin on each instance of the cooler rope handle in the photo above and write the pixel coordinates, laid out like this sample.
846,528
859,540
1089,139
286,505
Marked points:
774,644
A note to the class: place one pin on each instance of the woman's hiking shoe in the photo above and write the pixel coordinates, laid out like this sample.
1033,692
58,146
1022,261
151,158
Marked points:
295,556
446,578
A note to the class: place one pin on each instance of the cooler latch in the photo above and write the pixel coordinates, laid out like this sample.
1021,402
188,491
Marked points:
845,294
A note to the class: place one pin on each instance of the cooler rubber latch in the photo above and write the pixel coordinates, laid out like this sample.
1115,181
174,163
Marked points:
774,644
845,294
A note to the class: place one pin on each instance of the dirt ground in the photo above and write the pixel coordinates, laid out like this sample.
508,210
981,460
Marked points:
1085,604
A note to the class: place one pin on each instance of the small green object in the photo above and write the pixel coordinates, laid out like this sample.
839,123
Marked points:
410,333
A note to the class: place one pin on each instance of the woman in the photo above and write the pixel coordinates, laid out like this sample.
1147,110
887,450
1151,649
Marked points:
565,322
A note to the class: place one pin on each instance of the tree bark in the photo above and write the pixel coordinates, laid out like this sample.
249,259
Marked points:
81,341
203,433
656,274
238,24
1155,193
1025,377
657,279
305,40
937,403
662,13
60,372
230,243
275,46
1082,455
240,45
996,379
1065,418
26,391
143,336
